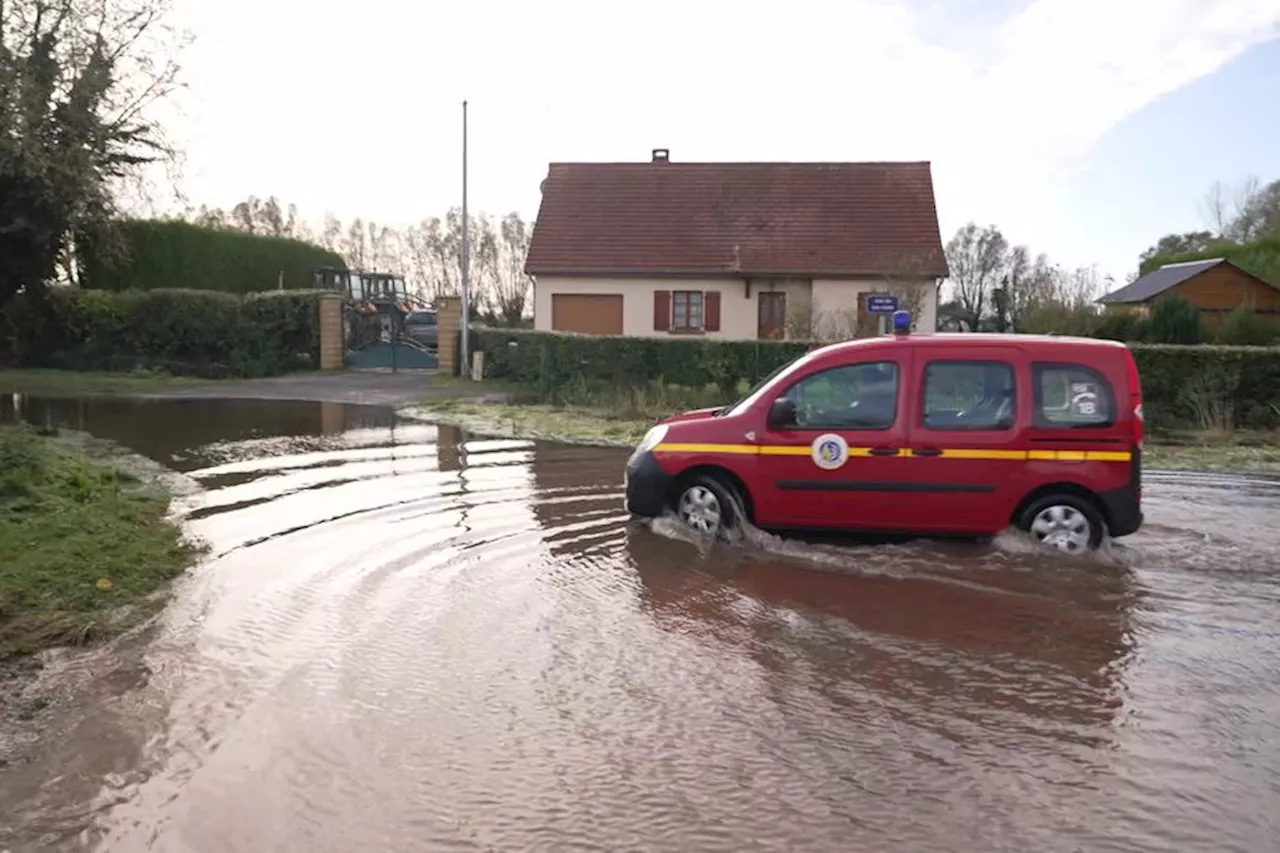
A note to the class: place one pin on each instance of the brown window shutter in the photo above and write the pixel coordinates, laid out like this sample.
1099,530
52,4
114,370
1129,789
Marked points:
711,311
662,310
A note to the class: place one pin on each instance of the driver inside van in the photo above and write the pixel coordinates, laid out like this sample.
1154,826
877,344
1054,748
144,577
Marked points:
875,395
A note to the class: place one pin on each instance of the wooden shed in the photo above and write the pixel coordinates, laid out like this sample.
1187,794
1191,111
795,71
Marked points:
1216,286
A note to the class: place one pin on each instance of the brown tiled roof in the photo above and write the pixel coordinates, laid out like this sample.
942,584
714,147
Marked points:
671,218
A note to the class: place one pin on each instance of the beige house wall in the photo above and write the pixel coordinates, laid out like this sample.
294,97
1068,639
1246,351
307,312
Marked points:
831,304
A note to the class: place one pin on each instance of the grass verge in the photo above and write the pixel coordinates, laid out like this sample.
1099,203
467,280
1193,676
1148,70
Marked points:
612,418
1214,451
570,424
75,381
83,545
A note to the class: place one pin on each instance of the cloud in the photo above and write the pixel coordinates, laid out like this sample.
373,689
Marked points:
1064,73
359,113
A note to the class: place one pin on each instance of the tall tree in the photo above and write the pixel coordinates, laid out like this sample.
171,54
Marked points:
77,78
514,286
428,254
977,258
1259,214
1181,244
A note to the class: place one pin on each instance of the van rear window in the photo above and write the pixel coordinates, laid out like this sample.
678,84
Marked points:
1070,396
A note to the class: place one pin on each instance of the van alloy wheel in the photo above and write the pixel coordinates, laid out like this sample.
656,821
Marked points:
700,508
1064,528
1065,522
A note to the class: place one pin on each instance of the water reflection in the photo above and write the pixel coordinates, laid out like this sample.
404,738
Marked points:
970,651
162,429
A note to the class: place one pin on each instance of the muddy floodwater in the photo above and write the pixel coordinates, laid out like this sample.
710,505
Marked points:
409,639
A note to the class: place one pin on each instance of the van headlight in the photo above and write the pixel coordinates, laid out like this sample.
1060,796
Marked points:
651,439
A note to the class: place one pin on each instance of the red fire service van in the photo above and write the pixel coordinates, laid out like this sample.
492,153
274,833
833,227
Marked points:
916,434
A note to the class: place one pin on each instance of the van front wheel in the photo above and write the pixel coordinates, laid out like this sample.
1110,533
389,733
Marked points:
1064,522
706,506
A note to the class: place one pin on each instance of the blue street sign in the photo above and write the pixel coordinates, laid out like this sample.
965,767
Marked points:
878,303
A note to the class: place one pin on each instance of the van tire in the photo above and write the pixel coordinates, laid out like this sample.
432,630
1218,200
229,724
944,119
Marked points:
707,505
1064,522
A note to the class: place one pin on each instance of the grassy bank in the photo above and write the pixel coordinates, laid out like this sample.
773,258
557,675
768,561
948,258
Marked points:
620,419
85,382
83,545
1202,451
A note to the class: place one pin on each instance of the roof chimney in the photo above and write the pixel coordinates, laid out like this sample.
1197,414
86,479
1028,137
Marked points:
662,155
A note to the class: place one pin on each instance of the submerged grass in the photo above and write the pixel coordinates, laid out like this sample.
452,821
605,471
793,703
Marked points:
82,545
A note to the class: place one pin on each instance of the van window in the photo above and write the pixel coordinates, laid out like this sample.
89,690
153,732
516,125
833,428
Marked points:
853,396
969,395
1071,396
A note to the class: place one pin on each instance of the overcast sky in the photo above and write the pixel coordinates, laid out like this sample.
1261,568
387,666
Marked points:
1081,127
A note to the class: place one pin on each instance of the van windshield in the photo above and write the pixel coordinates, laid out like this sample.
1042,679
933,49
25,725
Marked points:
755,393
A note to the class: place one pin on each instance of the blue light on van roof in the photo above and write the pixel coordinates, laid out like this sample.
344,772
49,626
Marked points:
901,322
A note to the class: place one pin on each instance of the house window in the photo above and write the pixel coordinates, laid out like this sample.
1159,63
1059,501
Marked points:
686,310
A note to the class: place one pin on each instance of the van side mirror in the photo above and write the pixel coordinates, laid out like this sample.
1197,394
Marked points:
782,413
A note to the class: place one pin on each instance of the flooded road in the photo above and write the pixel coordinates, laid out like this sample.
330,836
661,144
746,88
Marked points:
409,639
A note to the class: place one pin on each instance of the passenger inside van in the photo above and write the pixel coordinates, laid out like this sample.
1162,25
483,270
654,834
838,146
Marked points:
987,392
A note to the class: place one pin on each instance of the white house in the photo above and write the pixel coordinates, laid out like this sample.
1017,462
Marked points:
733,250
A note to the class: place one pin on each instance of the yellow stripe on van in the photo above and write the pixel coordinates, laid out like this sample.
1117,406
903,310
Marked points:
1079,455
981,453
973,453
788,450
672,447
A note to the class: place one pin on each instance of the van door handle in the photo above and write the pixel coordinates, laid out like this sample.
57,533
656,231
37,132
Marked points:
926,451
884,451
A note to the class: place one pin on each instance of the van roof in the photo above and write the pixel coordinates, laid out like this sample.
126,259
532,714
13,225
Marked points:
962,339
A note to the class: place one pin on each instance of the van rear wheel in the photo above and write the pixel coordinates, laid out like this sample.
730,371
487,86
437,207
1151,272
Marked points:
706,505
1064,522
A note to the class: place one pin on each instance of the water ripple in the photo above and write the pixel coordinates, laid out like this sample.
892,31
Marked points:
409,639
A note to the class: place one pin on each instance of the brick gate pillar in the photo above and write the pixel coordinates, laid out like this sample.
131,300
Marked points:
332,346
449,316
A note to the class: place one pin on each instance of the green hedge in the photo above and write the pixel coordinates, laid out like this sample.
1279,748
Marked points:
1183,386
183,332
165,254
547,359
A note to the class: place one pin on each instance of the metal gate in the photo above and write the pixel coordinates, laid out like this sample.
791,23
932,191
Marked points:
375,310
377,340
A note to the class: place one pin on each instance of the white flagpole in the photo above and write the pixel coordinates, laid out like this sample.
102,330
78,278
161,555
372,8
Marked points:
464,369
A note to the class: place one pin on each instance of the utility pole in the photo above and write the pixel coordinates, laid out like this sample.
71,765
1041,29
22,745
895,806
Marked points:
464,369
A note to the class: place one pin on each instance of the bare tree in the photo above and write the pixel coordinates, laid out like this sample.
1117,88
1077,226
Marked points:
428,254
977,258
513,286
354,244
1215,208
1259,213
331,233
908,282
800,322
1248,212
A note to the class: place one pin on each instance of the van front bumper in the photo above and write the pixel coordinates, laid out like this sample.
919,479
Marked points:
647,485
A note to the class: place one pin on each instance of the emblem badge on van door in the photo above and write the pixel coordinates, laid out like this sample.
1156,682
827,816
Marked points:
829,451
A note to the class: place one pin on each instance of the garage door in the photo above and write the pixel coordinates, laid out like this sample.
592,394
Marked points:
589,313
